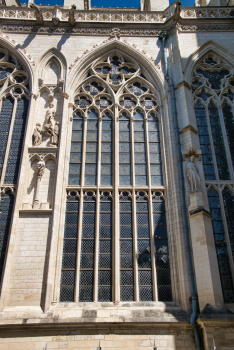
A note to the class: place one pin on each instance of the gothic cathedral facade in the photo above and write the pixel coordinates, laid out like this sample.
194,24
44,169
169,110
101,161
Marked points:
116,176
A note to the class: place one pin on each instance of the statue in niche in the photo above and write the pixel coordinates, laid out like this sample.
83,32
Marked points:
193,175
55,136
49,121
40,168
37,135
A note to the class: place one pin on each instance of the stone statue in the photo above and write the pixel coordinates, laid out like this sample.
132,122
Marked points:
49,121
193,176
37,135
55,136
40,168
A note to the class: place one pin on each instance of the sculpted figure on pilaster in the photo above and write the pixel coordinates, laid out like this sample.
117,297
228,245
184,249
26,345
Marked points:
193,176
40,168
37,135
49,121
55,136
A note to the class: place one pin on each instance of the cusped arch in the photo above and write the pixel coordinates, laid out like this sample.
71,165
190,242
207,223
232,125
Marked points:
52,56
90,79
21,55
208,47
80,69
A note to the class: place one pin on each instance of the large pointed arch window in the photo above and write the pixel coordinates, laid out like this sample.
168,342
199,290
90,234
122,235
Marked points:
14,101
115,176
213,89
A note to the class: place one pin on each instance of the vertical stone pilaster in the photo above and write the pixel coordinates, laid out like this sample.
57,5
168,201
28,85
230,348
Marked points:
205,261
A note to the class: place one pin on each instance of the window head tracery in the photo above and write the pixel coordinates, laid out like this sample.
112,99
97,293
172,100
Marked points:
115,69
12,73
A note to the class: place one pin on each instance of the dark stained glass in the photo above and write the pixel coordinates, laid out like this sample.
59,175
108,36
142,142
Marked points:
219,147
143,249
67,283
203,133
161,249
221,246
105,249
16,145
126,248
87,248
5,122
6,209
229,125
214,77
76,150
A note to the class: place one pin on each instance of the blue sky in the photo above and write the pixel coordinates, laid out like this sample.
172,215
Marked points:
107,3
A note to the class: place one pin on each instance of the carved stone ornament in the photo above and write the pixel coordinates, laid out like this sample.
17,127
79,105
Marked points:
193,176
49,121
115,33
55,136
192,152
37,135
40,168
51,128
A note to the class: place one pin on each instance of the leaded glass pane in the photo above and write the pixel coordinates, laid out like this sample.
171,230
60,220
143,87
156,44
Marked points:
124,151
229,124
161,249
155,152
16,142
5,122
105,249
143,249
106,152
126,249
76,151
7,202
220,241
67,283
219,147
140,149
91,149
203,133
87,248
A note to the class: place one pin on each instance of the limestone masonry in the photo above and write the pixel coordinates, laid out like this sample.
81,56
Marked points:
117,224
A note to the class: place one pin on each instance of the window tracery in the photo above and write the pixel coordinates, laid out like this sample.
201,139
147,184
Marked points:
212,86
14,96
115,153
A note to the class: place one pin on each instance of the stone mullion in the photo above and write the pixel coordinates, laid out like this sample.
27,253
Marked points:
115,208
135,263
99,145
225,139
152,249
79,233
8,142
96,251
